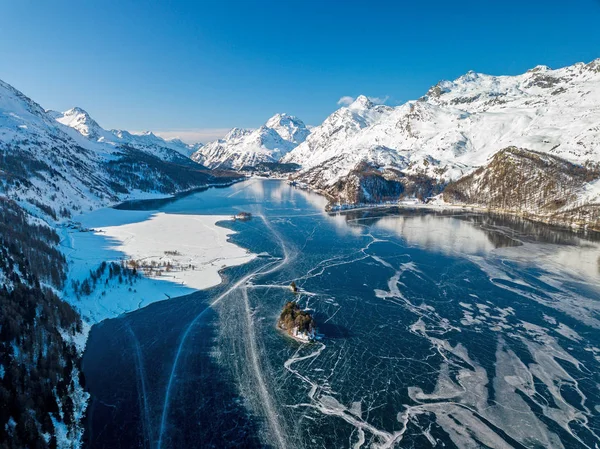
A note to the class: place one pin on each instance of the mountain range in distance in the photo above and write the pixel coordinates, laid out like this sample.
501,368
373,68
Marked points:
366,153
463,136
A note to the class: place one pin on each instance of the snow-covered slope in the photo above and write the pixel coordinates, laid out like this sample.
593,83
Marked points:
168,150
44,160
327,141
458,125
244,148
58,164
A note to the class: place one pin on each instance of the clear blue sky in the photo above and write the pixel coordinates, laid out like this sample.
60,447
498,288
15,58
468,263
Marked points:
206,65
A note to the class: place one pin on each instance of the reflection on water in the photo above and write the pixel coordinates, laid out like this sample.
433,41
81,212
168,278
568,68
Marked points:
448,235
440,330
464,233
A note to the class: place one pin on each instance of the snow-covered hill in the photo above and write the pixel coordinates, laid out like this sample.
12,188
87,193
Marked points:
537,185
242,148
57,164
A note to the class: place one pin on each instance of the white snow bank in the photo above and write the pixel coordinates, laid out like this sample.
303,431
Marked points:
196,239
115,235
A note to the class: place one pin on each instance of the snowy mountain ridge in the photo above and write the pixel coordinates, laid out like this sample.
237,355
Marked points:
58,164
326,142
246,148
459,124
368,154
146,141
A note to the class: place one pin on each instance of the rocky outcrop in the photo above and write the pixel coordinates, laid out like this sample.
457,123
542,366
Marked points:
369,184
297,323
533,184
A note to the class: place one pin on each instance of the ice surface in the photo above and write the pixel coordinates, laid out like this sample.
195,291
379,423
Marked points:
425,342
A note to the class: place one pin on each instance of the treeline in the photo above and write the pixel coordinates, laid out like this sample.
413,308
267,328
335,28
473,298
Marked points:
138,170
28,251
105,273
277,168
367,183
19,166
37,358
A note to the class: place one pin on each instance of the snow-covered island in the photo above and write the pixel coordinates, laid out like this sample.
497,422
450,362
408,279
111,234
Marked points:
297,323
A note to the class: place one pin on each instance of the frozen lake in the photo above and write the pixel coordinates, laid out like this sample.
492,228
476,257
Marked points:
439,330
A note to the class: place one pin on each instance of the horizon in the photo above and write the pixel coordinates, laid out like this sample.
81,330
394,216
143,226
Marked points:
196,71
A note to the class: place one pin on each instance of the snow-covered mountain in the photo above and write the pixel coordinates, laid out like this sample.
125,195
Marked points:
459,124
328,140
148,142
529,182
451,131
54,166
290,128
57,164
242,148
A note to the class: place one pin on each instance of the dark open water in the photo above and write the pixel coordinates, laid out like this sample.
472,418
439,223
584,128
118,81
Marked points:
440,330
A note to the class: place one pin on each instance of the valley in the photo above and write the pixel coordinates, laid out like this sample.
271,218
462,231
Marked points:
141,314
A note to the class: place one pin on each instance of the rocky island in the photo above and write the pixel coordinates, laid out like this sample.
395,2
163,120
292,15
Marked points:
297,323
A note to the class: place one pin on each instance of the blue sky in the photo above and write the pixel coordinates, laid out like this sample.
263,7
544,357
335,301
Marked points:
196,68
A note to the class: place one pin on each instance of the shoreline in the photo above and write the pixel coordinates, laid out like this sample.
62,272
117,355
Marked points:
85,249
412,204
294,337
576,228
170,197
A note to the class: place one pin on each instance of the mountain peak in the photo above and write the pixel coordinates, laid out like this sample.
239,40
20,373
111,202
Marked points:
246,147
76,111
470,76
277,118
236,133
539,68
289,127
361,102
80,120
284,119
